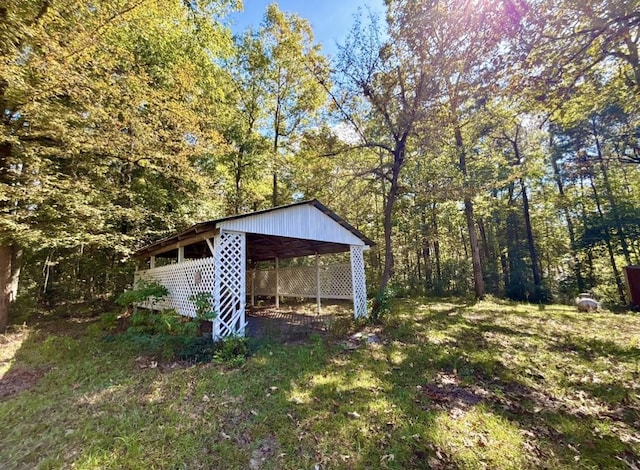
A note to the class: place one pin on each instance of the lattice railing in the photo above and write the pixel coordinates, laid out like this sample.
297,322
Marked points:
359,282
301,281
182,280
230,278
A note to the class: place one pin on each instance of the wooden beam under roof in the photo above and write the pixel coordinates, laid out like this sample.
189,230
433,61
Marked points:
183,239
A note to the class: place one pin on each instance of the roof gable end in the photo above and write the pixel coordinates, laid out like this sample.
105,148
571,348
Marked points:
303,220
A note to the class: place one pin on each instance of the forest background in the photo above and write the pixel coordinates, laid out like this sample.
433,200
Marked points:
488,147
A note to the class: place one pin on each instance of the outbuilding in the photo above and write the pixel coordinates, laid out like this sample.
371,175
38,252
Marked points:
219,257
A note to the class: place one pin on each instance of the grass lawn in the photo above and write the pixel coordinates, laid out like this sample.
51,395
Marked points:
451,385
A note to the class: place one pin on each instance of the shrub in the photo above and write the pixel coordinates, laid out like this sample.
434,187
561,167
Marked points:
232,351
381,305
142,292
204,306
167,322
108,321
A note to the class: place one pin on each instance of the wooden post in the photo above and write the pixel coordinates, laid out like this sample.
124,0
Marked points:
181,254
318,283
253,287
277,285
152,262
211,247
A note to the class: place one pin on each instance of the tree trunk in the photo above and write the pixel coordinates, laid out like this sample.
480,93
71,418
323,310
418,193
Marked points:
387,273
276,129
16,268
436,247
610,198
577,266
9,277
535,268
426,252
478,281
612,259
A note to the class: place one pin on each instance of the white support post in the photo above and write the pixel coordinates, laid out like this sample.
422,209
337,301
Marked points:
318,283
217,262
358,282
181,254
253,287
277,285
152,262
230,289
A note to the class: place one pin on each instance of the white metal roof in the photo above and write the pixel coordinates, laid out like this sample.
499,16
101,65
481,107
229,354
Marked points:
299,221
306,220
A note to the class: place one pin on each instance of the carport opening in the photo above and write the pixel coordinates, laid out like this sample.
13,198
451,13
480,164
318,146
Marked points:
312,292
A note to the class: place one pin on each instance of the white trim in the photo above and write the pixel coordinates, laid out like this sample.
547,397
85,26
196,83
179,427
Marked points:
318,283
277,284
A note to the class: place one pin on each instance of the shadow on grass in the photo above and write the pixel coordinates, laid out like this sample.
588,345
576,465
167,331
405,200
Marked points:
440,392
591,348
110,404
555,427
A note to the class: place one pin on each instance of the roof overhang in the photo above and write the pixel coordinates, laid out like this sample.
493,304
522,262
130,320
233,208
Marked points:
262,244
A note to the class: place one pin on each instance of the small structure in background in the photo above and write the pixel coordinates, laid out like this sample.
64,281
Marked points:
219,258
632,276
586,303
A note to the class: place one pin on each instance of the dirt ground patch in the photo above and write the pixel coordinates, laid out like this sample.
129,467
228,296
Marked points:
16,381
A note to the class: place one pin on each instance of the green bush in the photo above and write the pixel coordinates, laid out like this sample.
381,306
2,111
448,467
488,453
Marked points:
169,335
232,350
167,323
142,292
108,321
204,306
381,305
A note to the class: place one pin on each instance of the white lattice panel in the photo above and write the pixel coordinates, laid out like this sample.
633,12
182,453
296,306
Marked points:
358,282
265,282
300,281
182,280
335,281
230,287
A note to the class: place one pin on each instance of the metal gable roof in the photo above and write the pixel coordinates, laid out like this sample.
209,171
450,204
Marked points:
205,229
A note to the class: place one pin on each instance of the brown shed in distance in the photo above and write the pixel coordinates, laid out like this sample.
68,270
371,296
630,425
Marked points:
632,275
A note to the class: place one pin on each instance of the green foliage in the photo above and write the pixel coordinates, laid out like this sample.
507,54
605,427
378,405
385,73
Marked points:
381,305
164,323
117,113
142,292
232,351
109,109
108,321
203,302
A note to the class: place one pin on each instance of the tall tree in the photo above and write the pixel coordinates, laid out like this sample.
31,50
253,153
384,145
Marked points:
384,93
294,66
101,126
463,44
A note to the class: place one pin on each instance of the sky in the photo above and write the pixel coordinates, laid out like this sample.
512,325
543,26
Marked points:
331,19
